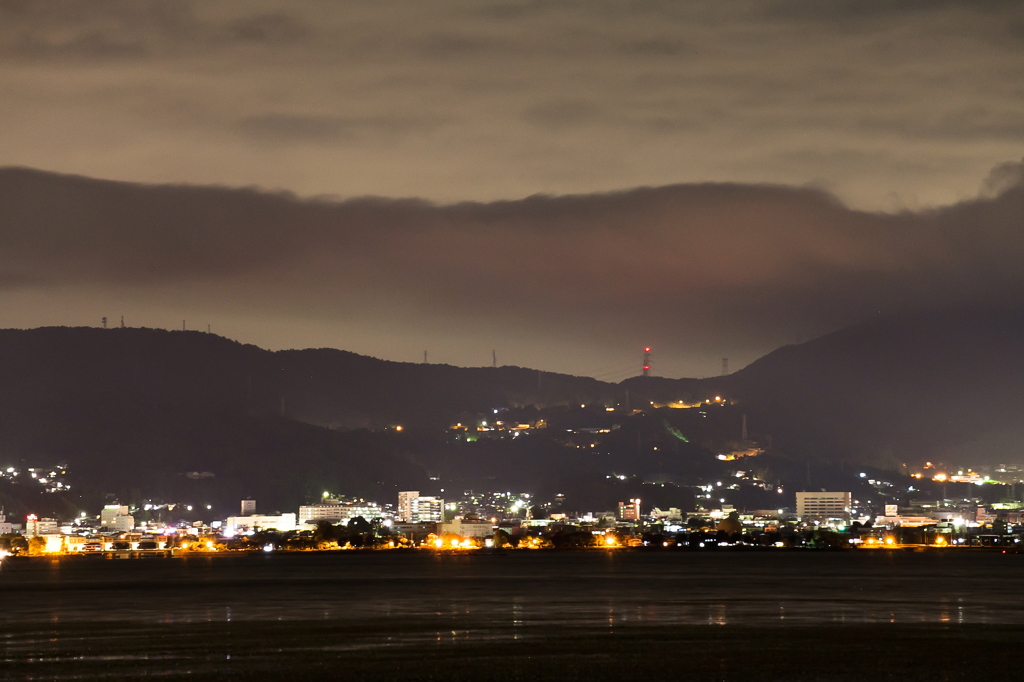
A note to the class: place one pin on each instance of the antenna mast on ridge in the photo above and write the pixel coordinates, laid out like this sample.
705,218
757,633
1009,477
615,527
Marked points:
647,361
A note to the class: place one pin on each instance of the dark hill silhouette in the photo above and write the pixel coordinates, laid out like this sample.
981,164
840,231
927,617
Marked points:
945,385
327,387
138,409
941,385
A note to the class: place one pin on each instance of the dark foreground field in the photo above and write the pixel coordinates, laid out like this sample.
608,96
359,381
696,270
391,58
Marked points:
421,651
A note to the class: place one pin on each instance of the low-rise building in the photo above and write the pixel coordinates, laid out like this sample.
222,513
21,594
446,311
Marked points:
415,532
338,512
35,526
257,522
826,505
469,528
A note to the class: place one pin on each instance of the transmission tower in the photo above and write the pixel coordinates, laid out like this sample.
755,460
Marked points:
725,366
647,361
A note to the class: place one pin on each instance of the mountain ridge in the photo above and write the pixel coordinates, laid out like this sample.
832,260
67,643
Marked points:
133,409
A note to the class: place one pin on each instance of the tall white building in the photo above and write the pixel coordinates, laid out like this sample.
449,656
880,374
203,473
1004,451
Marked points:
116,517
406,500
110,512
823,505
414,508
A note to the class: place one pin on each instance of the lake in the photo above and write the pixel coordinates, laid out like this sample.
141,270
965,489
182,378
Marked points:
517,614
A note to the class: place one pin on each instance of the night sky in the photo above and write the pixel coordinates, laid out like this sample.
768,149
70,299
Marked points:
561,182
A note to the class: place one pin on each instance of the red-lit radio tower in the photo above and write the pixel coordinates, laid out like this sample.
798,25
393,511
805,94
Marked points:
647,361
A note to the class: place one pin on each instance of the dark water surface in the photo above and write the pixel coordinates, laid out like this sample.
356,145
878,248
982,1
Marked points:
228,617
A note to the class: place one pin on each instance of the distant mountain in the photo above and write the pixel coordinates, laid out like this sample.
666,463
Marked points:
946,385
140,409
201,371
138,412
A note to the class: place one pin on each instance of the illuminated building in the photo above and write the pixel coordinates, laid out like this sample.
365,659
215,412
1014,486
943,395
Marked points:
116,517
337,512
36,526
416,532
110,513
405,504
629,511
824,505
256,522
413,508
123,523
469,528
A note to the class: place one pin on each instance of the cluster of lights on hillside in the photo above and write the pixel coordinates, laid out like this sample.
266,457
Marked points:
48,477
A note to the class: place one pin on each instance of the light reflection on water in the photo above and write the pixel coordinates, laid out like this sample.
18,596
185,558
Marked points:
146,617
522,590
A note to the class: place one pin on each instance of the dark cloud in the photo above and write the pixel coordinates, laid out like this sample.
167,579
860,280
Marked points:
119,30
561,113
268,29
1003,178
690,266
871,11
458,46
288,128
653,47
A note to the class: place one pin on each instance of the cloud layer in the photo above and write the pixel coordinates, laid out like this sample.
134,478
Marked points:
571,283
806,165
888,105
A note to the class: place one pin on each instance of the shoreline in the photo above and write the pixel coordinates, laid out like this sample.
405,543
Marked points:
119,555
